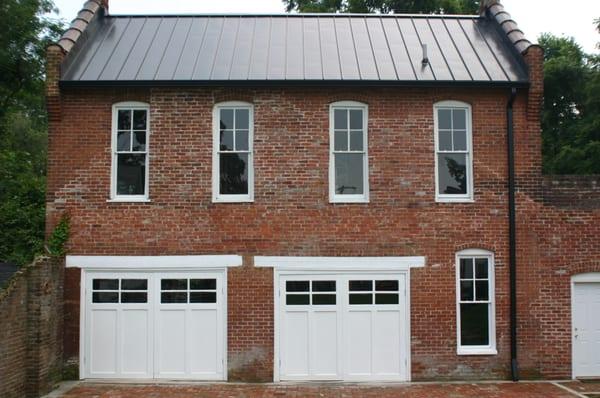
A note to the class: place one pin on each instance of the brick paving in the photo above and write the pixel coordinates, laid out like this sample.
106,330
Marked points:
324,390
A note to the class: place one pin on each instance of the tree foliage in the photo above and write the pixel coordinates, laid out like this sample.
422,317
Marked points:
24,35
385,6
571,114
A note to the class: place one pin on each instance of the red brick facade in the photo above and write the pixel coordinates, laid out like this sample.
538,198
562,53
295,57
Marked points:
291,214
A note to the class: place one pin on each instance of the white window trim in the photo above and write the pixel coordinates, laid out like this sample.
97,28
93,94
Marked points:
113,148
369,264
217,197
445,198
477,350
333,197
153,262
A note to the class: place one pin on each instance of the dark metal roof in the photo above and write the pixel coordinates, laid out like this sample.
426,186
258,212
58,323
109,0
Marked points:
345,48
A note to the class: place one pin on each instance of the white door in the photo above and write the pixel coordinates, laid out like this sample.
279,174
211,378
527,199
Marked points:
342,327
586,330
154,325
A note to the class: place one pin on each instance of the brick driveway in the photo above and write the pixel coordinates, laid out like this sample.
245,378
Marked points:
230,390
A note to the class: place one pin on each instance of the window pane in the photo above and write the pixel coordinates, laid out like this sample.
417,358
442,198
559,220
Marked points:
452,170
361,299
323,299
340,117
173,297
460,140
203,297
127,297
173,284
203,284
234,173
241,119
361,286
226,140
139,120
124,122
241,140
445,140
349,173
481,268
386,298
131,174
297,299
105,284
386,286
356,140
340,140
474,324
296,286
123,141
134,284
459,119
139,141
323,286
466,268
105,297
466,291
444,119
482,291
356,119
226,119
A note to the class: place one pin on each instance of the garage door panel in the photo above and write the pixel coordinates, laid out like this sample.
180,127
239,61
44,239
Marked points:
203,342
325,347
135,342
171,342
295,343
586,330
387,349
103,343
358,343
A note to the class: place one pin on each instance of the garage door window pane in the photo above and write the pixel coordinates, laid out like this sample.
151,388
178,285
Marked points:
128,297
203,284
323,299
361,286
203,297
105,297
386,286
173,297
297,286
173,284
361,299
474,324
134,284
105,284
297,299
323,286
386,298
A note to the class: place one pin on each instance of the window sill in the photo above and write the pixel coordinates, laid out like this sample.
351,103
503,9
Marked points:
232,200
454,200
477,351
342,200
129,200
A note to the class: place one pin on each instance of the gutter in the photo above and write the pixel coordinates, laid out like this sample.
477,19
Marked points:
512,238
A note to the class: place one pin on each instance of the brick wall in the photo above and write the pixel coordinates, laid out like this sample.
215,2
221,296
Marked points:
572,191
31,330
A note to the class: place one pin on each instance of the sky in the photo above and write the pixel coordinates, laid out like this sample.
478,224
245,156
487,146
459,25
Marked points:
560,17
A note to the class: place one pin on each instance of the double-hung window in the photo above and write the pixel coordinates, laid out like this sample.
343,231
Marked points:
233,173
131,126
453,158
348,160
475,303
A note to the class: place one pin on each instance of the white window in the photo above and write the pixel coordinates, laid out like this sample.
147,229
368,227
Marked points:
233,172
453,147
348,160
130,130
475,309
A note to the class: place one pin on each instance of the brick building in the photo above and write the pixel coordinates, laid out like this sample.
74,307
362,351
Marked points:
314,197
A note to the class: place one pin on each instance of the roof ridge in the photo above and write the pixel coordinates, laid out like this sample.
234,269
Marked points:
88,12
495,11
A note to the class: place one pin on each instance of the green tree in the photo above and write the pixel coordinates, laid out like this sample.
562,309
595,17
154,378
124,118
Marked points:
24,34
385,6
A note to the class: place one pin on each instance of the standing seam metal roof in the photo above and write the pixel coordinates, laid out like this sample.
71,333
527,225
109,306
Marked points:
293,47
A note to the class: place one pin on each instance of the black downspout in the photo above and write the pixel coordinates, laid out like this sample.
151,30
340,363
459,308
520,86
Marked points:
512,237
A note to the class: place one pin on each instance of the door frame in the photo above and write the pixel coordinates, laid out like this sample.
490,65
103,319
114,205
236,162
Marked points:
150,265
336,272
590,277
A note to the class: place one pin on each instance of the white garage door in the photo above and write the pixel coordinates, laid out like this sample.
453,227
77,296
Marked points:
343,327
154,325
586,330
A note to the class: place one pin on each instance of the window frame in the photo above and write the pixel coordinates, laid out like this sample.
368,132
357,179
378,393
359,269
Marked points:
333,196
489,349
114,197
449,198
217,197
